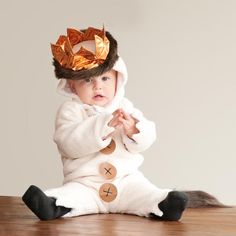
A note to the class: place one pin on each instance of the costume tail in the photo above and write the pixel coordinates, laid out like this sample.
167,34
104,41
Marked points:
201,199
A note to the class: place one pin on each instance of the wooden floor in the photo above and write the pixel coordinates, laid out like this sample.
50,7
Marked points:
16,219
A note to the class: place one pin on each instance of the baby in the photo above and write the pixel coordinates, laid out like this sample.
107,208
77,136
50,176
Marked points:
100,136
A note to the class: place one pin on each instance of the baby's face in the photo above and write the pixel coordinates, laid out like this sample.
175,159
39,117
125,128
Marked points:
98,90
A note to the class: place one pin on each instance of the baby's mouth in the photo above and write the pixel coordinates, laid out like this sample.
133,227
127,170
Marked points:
98,97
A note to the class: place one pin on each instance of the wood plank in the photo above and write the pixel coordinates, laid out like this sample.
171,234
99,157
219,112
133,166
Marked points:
16,219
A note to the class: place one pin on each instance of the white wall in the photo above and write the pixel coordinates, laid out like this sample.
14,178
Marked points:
181,59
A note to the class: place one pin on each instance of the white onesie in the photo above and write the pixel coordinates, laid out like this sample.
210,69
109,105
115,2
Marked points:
101,175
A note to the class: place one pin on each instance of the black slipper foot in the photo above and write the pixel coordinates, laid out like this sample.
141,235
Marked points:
41,205
172,206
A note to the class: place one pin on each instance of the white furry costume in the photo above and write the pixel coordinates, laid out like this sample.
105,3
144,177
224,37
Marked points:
79,135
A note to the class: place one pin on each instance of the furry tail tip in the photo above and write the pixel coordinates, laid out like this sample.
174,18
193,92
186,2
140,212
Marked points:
201,199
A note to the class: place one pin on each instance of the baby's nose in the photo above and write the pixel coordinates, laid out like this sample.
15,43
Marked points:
97,85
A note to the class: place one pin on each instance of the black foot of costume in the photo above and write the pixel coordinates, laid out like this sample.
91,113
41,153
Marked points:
172,206
41,205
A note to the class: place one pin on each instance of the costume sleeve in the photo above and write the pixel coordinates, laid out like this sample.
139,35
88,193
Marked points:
144,139
76,135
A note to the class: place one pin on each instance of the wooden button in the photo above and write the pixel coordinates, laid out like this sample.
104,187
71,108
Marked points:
107,170
110,148
108,192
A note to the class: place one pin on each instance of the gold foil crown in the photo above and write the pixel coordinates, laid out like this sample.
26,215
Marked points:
83,59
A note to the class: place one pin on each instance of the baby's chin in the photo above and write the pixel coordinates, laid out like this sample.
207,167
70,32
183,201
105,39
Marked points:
99,103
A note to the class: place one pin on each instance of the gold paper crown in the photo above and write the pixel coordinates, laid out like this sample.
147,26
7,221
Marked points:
83,59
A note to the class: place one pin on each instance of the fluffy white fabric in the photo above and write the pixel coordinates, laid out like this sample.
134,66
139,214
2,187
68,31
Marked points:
79,134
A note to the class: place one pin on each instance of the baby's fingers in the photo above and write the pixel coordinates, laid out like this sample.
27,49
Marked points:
116,112
113,123
125,122
126,115
115,120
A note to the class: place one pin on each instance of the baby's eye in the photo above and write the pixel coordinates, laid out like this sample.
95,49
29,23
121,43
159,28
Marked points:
88,80
105,78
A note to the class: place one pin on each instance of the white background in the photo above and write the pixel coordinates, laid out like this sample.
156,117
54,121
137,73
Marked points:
181,59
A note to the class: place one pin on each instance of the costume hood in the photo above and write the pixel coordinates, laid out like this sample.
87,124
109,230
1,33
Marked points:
86,54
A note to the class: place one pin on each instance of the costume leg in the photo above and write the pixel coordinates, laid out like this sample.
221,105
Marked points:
81,198
42,206
138,196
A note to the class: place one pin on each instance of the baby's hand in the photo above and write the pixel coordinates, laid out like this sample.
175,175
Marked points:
114,122
125,120
128,122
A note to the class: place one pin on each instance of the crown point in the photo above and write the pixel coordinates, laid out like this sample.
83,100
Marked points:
74,36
